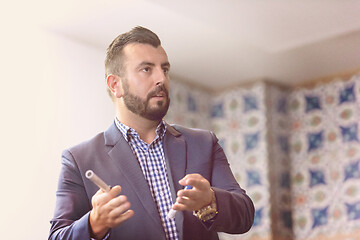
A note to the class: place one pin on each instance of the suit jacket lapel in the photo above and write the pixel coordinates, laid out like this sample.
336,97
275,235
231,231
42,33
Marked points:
129,167
175,153
124,159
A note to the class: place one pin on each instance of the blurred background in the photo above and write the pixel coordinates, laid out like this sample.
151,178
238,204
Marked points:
277,81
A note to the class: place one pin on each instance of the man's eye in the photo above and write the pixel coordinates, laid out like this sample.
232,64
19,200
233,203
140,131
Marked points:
166,70
147,69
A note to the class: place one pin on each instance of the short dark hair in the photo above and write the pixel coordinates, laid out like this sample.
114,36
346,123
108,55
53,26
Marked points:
114,53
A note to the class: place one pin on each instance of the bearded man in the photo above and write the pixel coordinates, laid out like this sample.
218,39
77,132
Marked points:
148,162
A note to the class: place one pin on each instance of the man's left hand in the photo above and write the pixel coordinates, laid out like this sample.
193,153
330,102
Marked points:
197,197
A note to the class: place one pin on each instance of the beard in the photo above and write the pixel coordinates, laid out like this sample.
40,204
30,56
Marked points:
142,107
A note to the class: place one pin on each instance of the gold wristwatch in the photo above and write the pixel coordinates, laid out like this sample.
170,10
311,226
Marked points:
208,212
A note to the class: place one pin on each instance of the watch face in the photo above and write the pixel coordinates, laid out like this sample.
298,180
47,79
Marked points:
207,214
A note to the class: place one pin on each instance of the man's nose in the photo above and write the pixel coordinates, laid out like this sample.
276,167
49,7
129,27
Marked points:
161,77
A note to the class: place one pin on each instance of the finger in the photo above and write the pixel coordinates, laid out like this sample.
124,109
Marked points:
184,204
119,218
115,191
199,184
188,177
116,202
195,180
123,217
179,207
119,210
128,214
189,193
184,200
101,197
98,198
99,192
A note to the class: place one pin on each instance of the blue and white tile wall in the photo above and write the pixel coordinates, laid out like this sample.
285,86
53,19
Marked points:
296,152
239,121
189,106
279,162
325,155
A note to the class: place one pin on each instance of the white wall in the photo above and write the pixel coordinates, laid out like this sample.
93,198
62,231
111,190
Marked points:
52,96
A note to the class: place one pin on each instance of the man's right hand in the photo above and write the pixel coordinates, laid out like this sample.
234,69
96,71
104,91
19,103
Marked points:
109,210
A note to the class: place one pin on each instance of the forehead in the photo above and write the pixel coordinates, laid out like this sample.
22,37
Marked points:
138,52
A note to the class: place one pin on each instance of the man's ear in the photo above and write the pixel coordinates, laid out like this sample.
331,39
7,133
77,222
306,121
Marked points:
114,84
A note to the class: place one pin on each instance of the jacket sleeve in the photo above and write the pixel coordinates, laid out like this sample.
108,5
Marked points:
235,208
71,217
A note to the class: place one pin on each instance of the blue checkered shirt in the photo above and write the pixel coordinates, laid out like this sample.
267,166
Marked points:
152,161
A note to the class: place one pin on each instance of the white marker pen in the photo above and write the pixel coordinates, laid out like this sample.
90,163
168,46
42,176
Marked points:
173,212
98,181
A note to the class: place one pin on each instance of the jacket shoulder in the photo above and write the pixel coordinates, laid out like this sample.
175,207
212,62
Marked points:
190,131
86,149
195,134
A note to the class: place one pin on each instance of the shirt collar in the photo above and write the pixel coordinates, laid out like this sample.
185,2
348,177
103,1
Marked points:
127,131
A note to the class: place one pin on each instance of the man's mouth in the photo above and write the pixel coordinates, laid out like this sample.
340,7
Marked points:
160,94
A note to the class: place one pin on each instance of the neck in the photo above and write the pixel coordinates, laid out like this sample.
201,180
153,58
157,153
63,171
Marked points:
144,127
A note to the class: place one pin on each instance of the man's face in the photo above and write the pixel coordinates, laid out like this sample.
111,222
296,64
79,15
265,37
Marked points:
146,81
142,106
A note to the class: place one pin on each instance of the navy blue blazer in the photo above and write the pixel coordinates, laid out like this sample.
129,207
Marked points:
111,158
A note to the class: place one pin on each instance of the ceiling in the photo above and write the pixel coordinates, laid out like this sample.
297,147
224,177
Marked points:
219,44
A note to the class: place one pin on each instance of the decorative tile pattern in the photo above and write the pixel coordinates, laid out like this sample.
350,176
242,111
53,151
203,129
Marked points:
320,217
347,94
189,106
299,146
250,103
253,178
243,125
283,141
315,140
286,218
285,180
282,106
352,170
258,217
353,211
350,133
324,199
191,103
312,103
251,141
217,110
316,177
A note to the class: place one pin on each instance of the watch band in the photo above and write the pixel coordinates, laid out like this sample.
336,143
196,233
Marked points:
208,212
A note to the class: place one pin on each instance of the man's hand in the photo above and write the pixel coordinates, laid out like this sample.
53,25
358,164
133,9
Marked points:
197,197
109,210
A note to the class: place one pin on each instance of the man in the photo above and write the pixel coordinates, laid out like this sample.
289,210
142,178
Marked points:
148,162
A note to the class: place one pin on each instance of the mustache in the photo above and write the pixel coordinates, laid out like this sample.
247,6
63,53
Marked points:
159,88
